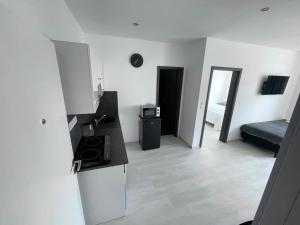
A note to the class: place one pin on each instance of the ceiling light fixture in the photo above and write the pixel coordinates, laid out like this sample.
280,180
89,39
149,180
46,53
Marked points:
135,24
265,9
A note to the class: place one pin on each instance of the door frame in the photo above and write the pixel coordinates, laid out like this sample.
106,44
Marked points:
179,91
233,90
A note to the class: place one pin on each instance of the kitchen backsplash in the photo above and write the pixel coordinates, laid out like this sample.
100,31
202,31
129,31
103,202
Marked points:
108,105
75,133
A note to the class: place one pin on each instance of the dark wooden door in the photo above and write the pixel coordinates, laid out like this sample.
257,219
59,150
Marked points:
280,204
170,83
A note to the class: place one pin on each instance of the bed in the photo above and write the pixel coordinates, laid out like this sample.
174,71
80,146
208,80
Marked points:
215,114
267,134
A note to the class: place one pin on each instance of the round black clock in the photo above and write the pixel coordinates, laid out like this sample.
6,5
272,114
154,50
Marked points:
136,60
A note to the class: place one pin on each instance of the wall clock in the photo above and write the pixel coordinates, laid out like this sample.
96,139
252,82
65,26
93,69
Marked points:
136,60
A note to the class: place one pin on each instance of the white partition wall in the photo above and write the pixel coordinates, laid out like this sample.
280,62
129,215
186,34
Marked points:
37,186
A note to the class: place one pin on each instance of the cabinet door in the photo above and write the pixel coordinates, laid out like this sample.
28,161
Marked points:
76,78
36,156
103,193
151,133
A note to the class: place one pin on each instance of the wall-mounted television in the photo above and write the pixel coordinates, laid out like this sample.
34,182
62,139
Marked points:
274,85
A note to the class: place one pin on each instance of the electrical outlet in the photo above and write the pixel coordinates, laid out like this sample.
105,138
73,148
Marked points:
72,123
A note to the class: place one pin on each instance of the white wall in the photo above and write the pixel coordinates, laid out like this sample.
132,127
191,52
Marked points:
193,58
256,62
219,86
37,186
50,17
53,199
135,86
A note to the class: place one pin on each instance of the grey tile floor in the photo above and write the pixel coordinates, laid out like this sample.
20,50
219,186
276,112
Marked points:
220,184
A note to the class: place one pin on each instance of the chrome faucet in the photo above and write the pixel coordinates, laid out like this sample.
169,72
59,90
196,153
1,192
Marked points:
97,121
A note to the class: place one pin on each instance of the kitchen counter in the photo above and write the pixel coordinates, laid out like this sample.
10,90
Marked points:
109,106
103,187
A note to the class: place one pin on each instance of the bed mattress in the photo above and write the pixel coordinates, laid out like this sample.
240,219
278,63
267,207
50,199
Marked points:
272,131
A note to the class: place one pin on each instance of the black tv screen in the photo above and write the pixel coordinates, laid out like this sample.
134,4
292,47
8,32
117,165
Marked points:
274,85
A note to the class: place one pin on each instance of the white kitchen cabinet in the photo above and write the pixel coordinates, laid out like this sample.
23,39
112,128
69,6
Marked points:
74,61
103,193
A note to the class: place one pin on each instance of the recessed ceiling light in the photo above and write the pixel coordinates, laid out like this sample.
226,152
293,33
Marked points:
135,24
265,9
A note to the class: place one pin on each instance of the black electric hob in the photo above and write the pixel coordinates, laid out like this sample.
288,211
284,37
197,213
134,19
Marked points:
93,151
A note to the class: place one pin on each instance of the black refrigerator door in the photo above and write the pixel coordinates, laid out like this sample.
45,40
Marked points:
149,133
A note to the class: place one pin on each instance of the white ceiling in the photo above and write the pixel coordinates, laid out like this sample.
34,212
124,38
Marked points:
172,20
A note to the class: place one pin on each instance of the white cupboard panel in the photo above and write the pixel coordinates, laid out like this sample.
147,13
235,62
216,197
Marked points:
76,78
103,193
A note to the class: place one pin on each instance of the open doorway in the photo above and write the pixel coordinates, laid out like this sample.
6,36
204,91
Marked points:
169,85
220,102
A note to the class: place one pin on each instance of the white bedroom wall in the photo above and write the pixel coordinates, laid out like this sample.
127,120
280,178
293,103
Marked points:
256,62
50,17
219,86
135,86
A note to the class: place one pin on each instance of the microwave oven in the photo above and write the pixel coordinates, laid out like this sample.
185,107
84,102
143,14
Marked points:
149,111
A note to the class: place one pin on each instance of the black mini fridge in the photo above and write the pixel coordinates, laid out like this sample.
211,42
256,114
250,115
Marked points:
149,132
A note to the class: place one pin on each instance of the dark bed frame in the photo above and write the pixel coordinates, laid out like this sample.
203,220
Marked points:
261,142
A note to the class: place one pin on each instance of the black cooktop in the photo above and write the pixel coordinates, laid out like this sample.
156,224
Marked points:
93,151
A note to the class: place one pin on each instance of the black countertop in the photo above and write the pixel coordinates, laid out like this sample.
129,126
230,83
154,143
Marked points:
109,106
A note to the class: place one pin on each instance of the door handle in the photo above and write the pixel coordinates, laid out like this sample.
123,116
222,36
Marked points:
76,165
